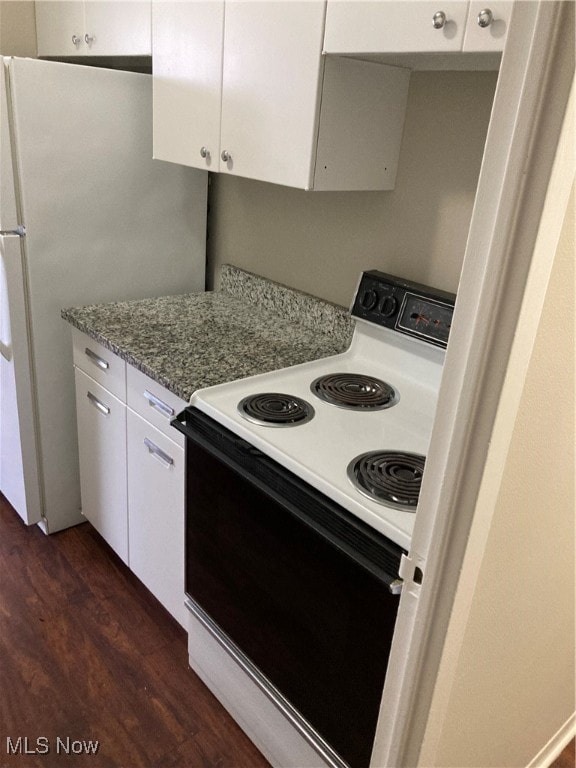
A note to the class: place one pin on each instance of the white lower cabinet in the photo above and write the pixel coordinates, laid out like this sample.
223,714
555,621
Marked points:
102,452
132,468
156,513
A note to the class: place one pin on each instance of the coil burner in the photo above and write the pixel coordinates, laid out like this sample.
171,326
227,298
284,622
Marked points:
355,391
274,409
389,477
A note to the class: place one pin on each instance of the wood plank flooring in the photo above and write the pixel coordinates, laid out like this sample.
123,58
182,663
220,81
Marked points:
87,654
567,758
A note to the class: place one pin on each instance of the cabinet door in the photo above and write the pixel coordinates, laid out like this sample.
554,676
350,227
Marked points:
271,89
156,513
19,470
487,26
187,81
118,28
60,28
394,27
360,99
102,452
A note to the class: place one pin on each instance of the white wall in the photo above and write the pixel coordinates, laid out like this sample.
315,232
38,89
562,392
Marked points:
320,241
525,591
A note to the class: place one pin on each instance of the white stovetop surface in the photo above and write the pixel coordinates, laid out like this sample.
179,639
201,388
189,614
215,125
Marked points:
320,450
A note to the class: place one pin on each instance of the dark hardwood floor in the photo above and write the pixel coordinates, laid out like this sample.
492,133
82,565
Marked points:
87,654
567,758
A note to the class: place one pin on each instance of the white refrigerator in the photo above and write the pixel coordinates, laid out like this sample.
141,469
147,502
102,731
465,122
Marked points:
86,216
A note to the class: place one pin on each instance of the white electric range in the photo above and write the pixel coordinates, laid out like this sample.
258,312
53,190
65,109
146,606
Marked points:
301,489
355,426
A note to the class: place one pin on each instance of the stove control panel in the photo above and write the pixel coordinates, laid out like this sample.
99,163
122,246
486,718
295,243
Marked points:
411,308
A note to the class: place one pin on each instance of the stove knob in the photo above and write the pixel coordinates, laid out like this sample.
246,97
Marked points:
388,306
369,299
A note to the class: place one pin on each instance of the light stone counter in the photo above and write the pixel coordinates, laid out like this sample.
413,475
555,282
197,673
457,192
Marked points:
251,325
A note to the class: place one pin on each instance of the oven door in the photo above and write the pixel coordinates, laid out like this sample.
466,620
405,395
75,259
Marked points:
298,585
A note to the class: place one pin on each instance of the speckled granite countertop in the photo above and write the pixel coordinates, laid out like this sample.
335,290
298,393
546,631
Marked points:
251,325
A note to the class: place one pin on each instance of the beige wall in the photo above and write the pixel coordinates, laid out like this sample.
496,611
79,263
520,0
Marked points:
527,574
320,241
17,28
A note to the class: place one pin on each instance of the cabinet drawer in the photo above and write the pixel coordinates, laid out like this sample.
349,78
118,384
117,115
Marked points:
100,364
154,403
156,513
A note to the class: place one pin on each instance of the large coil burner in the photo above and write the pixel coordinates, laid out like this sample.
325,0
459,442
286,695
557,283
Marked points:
275,409
356,391
389,477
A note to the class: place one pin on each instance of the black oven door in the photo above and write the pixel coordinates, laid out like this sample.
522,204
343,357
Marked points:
300,586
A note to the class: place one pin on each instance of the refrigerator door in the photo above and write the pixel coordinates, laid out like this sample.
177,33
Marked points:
19,480
104,222
9,216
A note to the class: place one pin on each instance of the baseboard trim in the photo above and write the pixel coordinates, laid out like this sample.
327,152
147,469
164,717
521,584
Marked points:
557,743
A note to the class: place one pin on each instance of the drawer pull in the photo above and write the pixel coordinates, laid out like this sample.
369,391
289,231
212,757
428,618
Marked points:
97,404
153,448
160,405
97,360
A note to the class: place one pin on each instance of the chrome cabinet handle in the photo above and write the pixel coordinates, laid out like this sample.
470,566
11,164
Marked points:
485,18
226,155
76,40
88,39
160,405
204,152
97,404
96,359
155,451
19,230
439,20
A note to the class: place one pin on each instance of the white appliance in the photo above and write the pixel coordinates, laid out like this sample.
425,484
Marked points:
378,396
86,216
302,487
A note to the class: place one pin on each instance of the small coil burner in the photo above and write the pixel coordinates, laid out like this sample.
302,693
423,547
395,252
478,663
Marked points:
388,477
274,409
355,391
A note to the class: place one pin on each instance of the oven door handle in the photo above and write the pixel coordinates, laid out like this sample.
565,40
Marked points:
180,423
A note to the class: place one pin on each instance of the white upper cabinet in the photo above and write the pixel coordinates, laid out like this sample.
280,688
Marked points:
241,88
487,26
93,28
187,43
410,26
60,28
271,76
394,27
